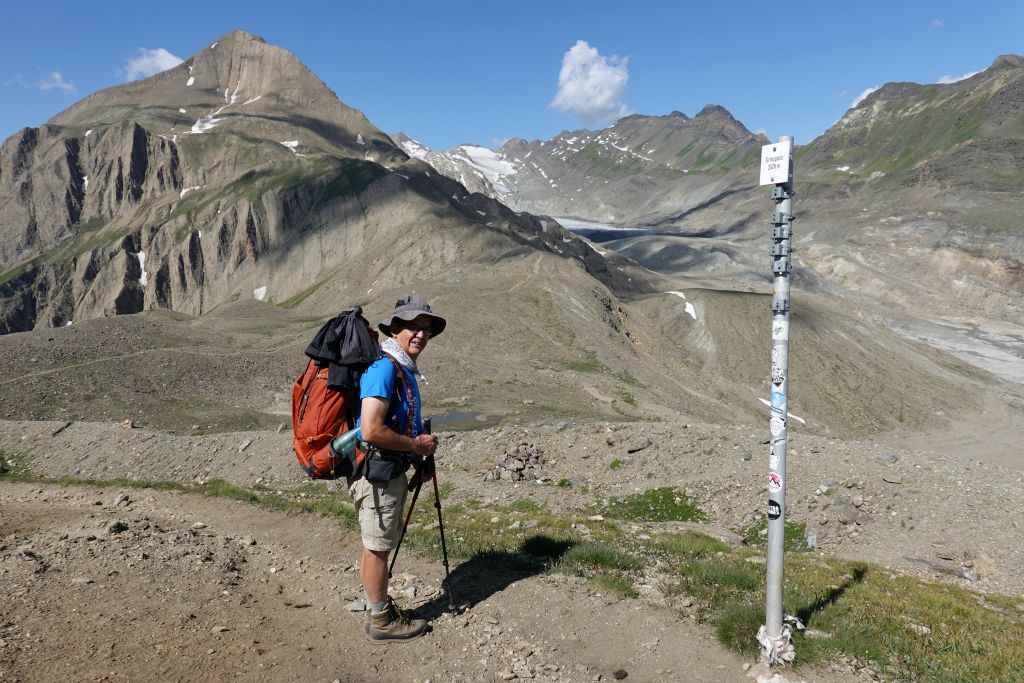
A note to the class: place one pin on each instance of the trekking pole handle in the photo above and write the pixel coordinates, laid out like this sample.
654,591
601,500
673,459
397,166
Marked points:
426,426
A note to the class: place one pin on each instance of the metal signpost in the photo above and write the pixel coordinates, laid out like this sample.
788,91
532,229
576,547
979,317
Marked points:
777,171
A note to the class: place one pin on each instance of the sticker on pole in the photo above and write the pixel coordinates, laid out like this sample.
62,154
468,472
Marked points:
776,425
776,160
780,330
774,510
774,482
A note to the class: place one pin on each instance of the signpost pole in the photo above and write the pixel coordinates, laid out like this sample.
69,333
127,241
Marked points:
777,170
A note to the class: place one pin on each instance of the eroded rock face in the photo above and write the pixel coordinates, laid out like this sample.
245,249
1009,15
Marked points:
172,191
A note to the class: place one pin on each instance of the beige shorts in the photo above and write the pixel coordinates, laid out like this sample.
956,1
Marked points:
379,508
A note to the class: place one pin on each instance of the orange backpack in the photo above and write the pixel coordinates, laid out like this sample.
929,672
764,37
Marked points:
325,397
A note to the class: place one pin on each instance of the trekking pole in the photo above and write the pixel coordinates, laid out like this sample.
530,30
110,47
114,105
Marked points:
405,527
440,525
412,505
446,585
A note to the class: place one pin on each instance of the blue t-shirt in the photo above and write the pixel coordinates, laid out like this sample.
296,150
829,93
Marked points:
379,380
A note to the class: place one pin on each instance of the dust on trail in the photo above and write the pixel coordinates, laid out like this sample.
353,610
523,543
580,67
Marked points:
168,586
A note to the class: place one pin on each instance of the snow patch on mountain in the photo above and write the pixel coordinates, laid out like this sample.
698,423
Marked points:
414,149
204,124
144,277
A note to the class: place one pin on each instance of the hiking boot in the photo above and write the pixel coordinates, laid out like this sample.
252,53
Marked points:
393,624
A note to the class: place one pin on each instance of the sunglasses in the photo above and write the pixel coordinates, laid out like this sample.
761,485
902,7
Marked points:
425,329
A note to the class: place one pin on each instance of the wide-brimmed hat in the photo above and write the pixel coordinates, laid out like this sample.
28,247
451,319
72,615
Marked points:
408,308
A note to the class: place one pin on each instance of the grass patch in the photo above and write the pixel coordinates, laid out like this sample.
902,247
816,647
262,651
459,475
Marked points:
757,534
913,629
15,467
612,583
293,301
588,364
627,398
666,504
310,498
16,271
615,464
627,378
525,505
598,556
691,545
605,566
564,483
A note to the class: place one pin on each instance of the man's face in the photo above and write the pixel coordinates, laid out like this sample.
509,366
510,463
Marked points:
412,336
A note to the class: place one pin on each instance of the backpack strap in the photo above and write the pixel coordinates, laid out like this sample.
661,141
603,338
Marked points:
410,415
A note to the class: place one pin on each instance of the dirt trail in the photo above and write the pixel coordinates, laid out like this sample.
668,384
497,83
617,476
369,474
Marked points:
167,586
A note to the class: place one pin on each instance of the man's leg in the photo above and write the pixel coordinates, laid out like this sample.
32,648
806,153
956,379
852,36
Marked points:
380,516
373,571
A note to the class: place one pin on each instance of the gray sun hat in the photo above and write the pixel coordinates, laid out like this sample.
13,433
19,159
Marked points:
408,308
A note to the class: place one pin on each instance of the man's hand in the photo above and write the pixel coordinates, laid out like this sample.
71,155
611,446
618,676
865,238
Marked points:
424,444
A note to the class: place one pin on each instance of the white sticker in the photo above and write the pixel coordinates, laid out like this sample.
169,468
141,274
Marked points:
773,458
780,330
774,482
776,425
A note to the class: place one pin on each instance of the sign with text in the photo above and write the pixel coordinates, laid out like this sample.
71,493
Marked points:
776,161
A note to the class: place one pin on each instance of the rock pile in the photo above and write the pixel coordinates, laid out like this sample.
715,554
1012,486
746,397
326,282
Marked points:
522,463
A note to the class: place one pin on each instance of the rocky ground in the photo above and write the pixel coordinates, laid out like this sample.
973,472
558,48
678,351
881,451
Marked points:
104,584
164,585
128,583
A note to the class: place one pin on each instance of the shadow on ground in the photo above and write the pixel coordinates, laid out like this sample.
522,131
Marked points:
489,572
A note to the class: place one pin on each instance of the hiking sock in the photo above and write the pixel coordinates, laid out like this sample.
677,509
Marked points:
377,607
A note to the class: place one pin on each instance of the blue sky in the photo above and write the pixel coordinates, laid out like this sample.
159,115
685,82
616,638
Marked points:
482,72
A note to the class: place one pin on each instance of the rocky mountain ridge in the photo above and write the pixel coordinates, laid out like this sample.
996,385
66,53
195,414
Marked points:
104,209
633,168
914,188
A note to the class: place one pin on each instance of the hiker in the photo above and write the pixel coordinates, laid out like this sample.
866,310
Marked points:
393,437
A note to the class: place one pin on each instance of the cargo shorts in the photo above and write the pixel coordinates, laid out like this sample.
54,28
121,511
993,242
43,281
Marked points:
379,508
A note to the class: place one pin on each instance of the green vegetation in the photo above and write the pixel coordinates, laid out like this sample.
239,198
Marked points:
666,504
589,363
627,398
795,535
564,483
626,377
352,178
15,467
598,556
615,464
16,271
293,301
914,629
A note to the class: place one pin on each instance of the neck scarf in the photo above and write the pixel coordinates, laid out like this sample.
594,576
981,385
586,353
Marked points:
393,349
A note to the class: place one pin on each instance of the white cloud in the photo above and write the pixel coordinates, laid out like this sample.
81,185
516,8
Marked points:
936,23
148,62
591,86
953,79
55,81
861,97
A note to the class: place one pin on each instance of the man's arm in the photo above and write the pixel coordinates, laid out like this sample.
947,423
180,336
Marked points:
373,412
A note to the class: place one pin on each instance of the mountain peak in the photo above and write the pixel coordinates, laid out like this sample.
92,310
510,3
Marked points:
711,110
1015,61
239,34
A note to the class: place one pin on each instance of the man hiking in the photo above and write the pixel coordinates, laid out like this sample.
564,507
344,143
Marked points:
393,437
